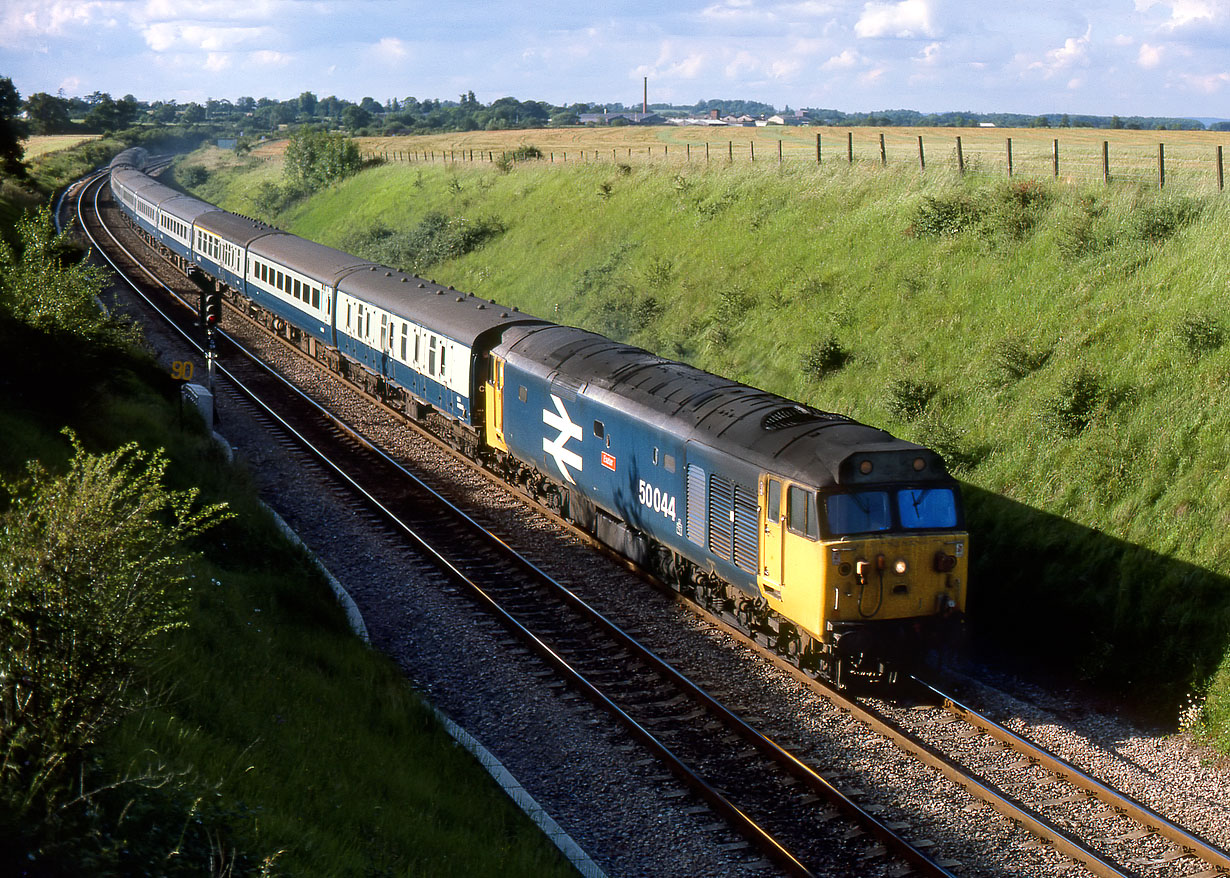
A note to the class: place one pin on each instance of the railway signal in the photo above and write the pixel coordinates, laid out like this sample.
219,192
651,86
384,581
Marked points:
211,308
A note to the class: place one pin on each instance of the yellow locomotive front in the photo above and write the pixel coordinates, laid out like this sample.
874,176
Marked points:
873,570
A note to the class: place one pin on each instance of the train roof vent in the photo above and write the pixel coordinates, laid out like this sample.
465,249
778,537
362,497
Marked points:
788,416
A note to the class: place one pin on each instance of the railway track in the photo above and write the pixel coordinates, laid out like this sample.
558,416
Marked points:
715,751
785,810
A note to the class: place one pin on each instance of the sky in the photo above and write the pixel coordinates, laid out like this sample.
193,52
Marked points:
1105,57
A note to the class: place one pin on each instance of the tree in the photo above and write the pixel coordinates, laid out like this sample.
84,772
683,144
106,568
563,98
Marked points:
316,158
12,131
307,104
91,580
193,113
165,113
355,118
370,105
47,114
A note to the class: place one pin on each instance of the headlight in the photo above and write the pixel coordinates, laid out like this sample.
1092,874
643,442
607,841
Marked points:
900,567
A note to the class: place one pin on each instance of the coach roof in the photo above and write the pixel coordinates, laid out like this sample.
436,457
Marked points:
462,317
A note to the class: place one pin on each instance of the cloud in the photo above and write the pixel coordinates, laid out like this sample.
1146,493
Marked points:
166,36
908,19
1149,56
846,60
22,20
390,50
1209,84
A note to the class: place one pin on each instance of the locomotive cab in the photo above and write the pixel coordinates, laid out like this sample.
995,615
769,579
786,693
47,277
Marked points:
874,568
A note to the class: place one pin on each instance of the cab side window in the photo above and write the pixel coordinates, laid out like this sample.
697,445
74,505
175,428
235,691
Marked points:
801,512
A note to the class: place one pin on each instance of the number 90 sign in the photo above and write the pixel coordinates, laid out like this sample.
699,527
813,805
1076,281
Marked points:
181,370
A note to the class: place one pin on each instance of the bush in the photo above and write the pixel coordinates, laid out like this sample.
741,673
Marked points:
824,357
1158,220
1012,360
316,158
526,152
193,175
946,216
1200,334
1072,408
91,577
436,238
908,398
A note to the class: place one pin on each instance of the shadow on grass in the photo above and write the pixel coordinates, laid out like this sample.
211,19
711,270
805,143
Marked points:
1056,597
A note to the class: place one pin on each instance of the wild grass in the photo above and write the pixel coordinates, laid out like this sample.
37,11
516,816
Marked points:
278,743
1060,343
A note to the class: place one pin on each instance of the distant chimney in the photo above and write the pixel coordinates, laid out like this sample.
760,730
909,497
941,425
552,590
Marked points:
645,99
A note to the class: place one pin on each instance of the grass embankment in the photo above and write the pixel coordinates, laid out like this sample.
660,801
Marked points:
276,743
1061,345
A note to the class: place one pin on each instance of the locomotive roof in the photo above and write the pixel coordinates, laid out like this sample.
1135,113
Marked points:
462,317
774,433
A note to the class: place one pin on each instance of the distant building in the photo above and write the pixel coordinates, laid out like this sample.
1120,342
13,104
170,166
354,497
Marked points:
629,118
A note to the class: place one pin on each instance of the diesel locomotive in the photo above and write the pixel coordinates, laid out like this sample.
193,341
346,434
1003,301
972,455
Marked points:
843,544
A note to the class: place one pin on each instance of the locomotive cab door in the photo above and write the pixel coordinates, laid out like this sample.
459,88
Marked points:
771,545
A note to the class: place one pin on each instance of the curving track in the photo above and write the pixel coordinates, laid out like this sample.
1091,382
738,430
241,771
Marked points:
679,721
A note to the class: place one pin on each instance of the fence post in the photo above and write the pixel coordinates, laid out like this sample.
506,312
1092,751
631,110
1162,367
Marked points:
922,161
752,149
689,153
1055,158
779,152
850,145
817,148
1221,179
706,152
730,150
1161,166
1105,161
883,154
1009,156
960,158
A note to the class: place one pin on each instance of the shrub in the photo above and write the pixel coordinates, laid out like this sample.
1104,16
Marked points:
824,357
316,158
945,216
1072,408
193,175
91,577
1158,220
1200,334
908,398
525,152
1016,207
1012,360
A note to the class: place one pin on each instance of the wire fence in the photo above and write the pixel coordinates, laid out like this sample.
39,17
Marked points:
1085,158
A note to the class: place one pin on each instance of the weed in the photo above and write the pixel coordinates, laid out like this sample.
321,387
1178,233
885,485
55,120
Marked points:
824,357
658,271
1200,334
1156,221
908,398
1072,408
604,190
526,152
945,216
1012,359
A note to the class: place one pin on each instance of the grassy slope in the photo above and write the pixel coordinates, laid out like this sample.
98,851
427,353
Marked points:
283,739
1104,547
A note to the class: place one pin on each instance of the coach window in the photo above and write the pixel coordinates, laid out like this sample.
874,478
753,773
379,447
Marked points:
296,293
315,297
443,351
405,329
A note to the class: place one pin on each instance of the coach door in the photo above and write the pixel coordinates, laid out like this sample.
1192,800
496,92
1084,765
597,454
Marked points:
771,545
